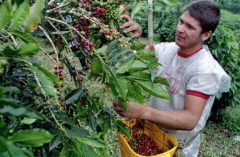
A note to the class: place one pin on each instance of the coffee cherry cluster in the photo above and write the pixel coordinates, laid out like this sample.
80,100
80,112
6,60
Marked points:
85,45
82,99
144,145
58,72
53,5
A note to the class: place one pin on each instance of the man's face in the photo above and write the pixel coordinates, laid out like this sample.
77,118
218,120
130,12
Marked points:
188,33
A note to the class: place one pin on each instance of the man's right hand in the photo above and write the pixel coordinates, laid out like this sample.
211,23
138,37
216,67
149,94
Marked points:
131,26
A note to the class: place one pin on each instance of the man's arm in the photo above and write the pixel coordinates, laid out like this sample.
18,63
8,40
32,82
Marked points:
185,119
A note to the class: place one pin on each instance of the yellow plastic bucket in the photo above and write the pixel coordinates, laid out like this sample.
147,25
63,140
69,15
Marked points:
165,142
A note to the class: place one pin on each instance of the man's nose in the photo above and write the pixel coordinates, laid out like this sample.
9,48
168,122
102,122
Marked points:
180,28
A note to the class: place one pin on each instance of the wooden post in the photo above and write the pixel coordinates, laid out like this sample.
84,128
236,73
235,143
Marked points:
150,25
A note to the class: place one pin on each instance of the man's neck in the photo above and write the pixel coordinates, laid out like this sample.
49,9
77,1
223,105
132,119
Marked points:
188,51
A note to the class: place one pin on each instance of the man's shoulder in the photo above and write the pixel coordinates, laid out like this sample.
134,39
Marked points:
166,47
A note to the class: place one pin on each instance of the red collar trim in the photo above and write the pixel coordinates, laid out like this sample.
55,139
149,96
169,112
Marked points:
187,55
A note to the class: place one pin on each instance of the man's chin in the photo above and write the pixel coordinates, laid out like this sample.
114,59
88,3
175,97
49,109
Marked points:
178,42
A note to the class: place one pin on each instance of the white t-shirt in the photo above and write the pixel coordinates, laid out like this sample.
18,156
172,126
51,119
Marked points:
198,74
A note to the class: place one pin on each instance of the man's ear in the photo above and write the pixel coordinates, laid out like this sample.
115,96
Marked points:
206,35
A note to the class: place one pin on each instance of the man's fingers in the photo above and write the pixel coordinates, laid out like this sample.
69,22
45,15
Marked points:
136,35
121,114
115,103
132,28
127,24
126,17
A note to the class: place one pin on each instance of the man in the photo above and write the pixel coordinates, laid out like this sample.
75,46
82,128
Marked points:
193,74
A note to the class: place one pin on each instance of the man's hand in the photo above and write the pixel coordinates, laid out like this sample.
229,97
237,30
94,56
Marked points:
135,110
131,26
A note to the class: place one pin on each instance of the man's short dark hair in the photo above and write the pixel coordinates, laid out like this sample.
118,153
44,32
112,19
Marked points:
206,12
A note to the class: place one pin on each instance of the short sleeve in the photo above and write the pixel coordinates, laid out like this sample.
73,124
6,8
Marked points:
209,83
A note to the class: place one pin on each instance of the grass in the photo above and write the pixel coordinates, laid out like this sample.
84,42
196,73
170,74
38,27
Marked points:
217,141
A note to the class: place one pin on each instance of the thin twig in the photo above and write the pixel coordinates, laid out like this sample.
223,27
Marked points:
55,119
10,42
40,86
68,26
61,6
59,33
3,43
50,40
45,52
53,19
13,39
91,19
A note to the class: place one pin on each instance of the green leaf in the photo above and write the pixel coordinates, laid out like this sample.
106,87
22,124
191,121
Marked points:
3,128
123,103
82,115
122,128
20,15
107,110
64,150
10,150
92,121
102,51
123,83
137,66
50,75
28,121
154,89
12,89
117,53
63,117
48,85
140,76
136,45
167,2
135,91
20,111
120,84
125,67
152,71
76,132
1,93
24,36
147,77
92,142
161,80
27,49
103,152
5,15
146,54
77,148
88,151
8,101
136,9
74,95
56,140
35,16
96,66
106,125
33,137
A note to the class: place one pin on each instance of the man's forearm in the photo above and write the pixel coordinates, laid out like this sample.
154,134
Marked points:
175,120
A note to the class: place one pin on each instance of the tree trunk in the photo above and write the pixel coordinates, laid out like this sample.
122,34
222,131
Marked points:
150,25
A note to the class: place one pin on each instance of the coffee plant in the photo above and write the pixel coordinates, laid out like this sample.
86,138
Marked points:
226,53
51,111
